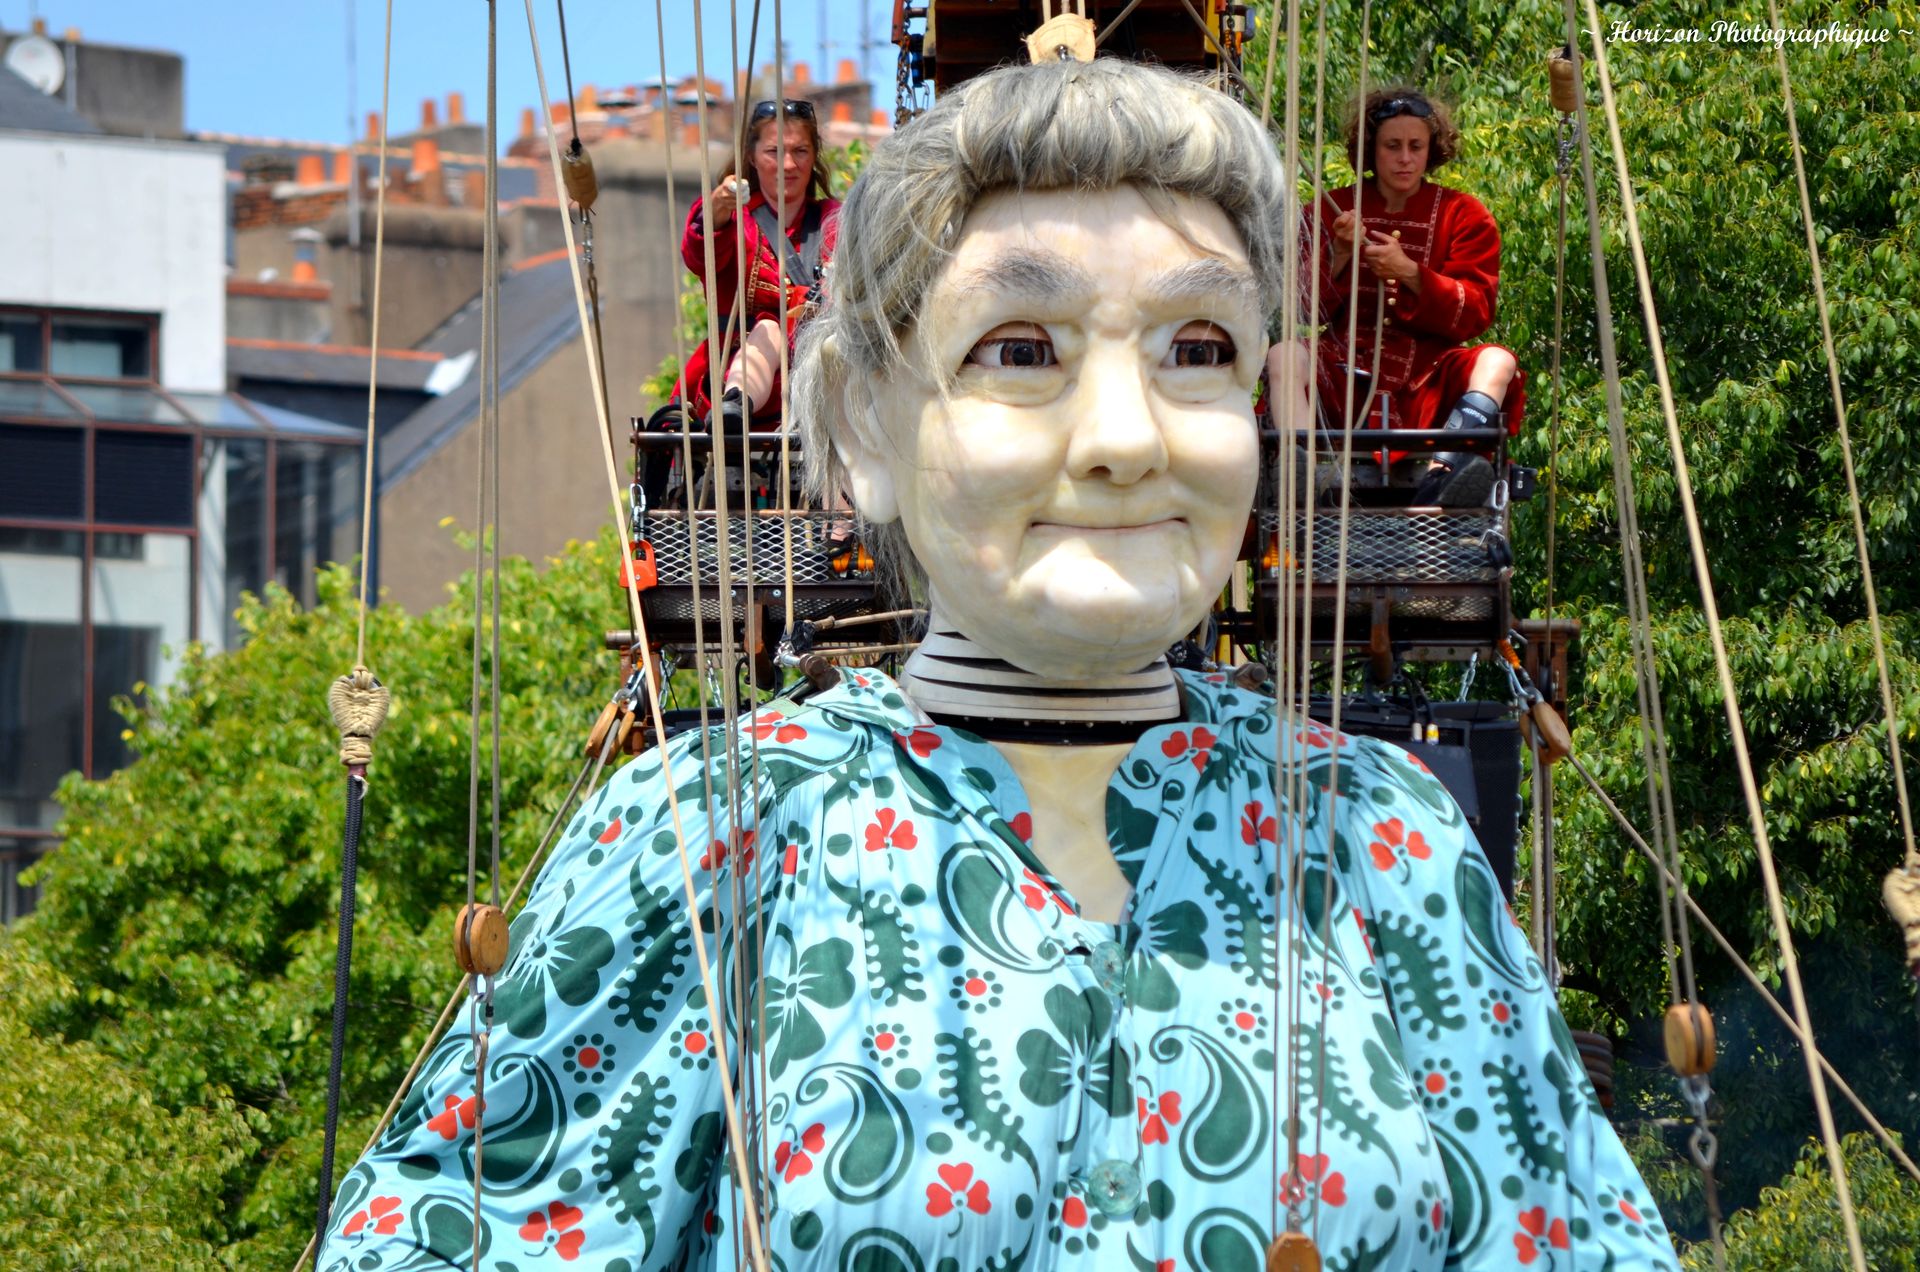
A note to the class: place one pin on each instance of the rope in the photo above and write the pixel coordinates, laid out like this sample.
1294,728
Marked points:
1746,970
342,964
592,769
358,701
1911,863
1722,665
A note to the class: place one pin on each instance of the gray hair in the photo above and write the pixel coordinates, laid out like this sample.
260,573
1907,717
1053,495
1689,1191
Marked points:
1047,126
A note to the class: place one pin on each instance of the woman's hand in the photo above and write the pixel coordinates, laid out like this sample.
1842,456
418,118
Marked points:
1342,229
723,202
1385,258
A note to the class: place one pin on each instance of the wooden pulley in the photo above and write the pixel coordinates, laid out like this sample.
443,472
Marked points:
597,736
1902,895
1555,742
1063,37
1563,83
1251,676
1293,1252
576,169
480,939
1690,1044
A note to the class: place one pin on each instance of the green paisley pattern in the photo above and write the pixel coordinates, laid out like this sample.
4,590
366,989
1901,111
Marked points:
947,1069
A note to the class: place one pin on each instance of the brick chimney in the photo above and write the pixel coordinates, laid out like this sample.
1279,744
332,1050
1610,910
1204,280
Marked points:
310,171
343,167
881,119
843,112
456,107
848,73
429,113
425,176
373,125
589,98
526,121
799,76
473,190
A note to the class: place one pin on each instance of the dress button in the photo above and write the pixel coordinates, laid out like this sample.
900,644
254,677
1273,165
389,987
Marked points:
1114,1188
1109,963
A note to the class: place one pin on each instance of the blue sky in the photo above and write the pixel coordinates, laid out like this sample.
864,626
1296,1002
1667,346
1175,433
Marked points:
278,68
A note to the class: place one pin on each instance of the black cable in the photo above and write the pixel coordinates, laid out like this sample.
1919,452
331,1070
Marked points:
566,62
343,960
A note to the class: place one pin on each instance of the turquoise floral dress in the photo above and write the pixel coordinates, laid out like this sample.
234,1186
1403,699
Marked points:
948,1069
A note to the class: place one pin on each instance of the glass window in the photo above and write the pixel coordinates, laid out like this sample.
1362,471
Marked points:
41,698
102,348
143,479
16,857
19,342
34,399
316,506
44,473
233,532
140,632
218,410
124,405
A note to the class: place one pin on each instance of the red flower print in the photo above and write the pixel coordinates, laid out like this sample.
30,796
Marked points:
384,1214
1360,921
771,724
957,1187
790,1162
717,851
1313,735
883,833
1393,840
1178,745
456,1114
1330,1185
1155,1118
1039,896
791,862
922,742
1627,1209
1073,1212
1166,1265
1438,1215
1254,828
612,832
1537,1232
558,1224
1022,825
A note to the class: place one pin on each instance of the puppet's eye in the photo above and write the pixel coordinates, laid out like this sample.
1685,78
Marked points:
1015,346
1201,344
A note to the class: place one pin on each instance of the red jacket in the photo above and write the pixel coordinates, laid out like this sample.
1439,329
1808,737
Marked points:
764,281
767,275
1456,242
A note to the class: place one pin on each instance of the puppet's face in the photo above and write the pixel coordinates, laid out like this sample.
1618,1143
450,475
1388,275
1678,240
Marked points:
1079,495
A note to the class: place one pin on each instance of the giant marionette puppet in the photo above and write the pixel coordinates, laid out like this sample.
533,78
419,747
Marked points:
1028,960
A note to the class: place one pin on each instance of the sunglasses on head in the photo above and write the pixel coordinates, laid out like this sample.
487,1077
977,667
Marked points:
796,108
1396,106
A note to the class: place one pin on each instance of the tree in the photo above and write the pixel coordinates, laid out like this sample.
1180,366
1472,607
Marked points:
190,910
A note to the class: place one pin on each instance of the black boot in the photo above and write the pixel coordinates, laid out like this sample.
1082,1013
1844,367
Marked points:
1462,480
726,423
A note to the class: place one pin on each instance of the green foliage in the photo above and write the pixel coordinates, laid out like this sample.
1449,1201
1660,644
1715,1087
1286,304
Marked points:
100,1173
191,909
1797,1224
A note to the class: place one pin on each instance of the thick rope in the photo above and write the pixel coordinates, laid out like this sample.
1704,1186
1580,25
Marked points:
460,995
373,340
1723,669
342,963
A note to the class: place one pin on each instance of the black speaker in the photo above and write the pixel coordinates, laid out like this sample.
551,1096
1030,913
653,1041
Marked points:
1476,757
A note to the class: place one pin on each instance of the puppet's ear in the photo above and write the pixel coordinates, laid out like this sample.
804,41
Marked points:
860,442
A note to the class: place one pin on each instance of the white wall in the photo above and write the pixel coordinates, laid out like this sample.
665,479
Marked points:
125,224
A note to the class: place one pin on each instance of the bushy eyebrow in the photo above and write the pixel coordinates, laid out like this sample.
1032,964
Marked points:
1027,273
1047,276
1211,281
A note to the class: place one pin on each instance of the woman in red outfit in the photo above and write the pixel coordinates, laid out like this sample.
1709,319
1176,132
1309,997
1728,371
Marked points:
1432,254
790,258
